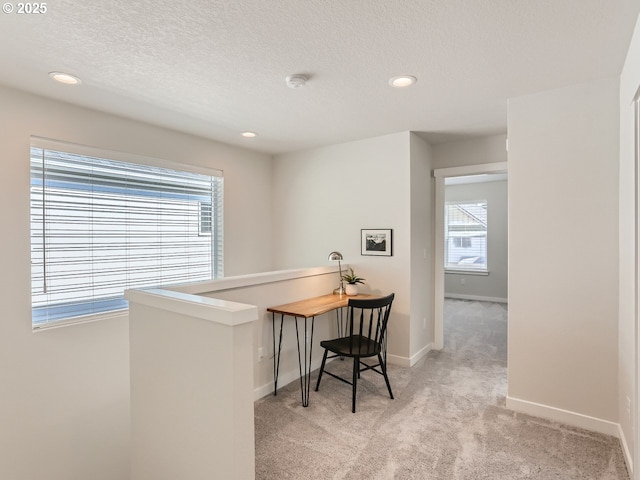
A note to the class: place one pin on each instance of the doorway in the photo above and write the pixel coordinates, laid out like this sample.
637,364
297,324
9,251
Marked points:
441,176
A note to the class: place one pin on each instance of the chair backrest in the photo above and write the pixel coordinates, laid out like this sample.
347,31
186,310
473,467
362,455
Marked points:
369,318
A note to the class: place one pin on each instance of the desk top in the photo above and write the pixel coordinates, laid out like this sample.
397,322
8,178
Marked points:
311,307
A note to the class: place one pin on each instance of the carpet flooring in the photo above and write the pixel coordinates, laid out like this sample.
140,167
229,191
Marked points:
448,420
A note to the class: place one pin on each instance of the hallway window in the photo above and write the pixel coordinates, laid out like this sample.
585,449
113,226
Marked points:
466,236
101,225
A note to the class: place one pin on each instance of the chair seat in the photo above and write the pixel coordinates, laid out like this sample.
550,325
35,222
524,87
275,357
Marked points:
353,346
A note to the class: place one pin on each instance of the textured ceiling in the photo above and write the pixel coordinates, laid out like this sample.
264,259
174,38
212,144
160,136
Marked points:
216,68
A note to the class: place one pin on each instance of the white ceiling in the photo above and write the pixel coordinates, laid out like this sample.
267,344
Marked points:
216,68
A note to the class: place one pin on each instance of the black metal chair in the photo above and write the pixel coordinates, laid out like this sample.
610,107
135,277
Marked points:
367,326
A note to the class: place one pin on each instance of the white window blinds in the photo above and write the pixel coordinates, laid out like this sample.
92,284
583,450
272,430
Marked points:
466,235
100,226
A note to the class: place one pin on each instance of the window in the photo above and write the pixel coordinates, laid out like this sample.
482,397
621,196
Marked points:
466,236
102,225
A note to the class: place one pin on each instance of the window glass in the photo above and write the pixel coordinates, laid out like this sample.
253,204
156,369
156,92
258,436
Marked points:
466,235
100,226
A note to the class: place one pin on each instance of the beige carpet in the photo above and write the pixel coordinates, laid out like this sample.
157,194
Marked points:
448,420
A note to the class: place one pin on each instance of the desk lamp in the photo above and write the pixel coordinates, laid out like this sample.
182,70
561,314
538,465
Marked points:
333,256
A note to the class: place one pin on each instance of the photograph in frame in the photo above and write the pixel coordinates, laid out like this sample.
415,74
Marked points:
376,242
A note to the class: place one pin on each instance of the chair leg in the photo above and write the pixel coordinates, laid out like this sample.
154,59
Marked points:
356,374
384,373
324,359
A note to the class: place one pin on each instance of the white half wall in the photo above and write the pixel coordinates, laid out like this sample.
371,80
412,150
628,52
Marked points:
270,289
563,249
64,400
191,387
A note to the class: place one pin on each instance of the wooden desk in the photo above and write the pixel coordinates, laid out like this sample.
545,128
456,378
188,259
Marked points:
306,310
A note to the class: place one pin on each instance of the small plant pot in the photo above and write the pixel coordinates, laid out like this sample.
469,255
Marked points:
351,289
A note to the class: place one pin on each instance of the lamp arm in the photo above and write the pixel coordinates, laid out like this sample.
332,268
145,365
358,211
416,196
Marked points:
341,281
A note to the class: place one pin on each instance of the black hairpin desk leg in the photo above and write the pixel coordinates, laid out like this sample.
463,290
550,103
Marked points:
304,356
276,355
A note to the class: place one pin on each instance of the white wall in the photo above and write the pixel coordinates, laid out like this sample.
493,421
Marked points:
474,151
494,285
64,398
422,196
629,83
324,197
563,254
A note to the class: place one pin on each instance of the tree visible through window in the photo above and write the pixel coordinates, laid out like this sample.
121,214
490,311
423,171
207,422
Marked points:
100,226
466,235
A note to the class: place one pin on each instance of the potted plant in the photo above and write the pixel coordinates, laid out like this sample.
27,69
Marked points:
352,282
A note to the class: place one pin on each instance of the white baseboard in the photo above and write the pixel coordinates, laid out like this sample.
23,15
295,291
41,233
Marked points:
628,457
398,360
262,391
284,378
478,298
564,416
409,361
577,420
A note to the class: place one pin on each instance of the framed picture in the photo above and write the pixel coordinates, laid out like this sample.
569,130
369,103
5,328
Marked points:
376,242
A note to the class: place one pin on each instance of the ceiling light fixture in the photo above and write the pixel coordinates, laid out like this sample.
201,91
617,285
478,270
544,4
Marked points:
65,78
249,134
296,81
402,81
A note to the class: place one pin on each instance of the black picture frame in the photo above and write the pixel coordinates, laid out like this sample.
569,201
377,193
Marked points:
376,242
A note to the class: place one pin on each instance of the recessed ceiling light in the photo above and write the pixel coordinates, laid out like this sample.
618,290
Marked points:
65,78
402,81
249,134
